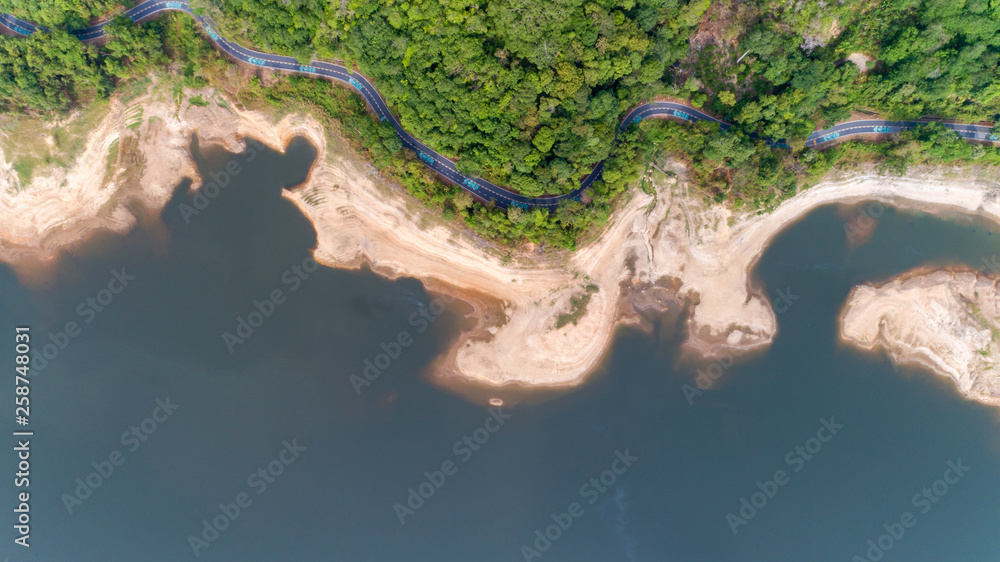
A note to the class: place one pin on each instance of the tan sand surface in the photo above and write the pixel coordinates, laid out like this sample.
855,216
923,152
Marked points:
676,237
944,320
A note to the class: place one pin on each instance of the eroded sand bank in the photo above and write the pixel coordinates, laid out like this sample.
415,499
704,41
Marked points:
671,239
945,320
151,136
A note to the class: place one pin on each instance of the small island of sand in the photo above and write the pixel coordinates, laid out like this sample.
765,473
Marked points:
948,321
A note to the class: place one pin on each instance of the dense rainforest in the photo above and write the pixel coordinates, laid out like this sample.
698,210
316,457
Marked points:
65,14
54,71
528,93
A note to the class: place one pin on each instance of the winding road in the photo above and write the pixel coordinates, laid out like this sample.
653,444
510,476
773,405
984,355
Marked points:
446,168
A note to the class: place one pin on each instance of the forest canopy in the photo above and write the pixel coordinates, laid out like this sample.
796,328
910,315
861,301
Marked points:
63,14
524,92
529,93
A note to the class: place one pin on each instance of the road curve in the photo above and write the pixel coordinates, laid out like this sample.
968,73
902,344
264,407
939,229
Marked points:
478,187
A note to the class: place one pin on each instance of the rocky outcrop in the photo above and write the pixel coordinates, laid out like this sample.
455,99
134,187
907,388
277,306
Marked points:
946,320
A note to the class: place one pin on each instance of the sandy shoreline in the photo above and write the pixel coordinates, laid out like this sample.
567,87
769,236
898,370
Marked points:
672,237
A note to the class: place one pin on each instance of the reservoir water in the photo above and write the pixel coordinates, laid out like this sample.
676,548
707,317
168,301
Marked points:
159,439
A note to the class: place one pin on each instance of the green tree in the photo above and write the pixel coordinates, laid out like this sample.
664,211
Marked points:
131,50
47,71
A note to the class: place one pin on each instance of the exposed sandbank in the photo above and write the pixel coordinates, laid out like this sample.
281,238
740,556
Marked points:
675,238
61,206
945,320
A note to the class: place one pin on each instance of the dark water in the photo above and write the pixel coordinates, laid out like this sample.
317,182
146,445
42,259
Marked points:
289,382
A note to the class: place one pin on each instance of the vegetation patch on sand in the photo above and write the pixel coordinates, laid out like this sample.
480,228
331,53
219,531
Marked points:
577,307
32,144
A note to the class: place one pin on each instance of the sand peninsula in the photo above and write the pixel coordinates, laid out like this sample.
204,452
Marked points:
656,249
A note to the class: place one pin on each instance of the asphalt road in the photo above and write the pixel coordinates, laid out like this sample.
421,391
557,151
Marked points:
446,168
